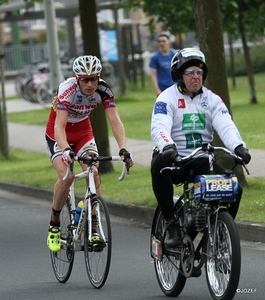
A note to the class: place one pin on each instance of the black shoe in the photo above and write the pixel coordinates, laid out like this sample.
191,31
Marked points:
196,273
172,239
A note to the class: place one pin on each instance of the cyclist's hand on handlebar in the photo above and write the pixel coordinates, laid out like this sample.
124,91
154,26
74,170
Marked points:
67,156
243,153
169,154
126,156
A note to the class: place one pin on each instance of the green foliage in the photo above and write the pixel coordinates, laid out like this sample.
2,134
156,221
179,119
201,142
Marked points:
253,17
6,1
176,18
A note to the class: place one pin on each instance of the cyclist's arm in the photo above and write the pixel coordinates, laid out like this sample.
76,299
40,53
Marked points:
225,127
117,126
59,128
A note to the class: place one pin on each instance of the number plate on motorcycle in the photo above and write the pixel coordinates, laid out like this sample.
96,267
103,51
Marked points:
215,188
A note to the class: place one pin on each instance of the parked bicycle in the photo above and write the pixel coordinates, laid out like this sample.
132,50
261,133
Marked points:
201,211
77,237
33,82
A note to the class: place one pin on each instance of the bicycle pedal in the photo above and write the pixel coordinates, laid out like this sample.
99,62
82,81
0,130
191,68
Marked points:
71,227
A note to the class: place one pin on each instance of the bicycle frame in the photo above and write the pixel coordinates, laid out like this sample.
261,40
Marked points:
85,214
93,238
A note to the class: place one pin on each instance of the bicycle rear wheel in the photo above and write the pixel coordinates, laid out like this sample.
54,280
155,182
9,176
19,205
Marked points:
223,263
62,261
98,255
168,266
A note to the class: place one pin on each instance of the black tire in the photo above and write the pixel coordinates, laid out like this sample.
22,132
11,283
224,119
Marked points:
62,261
98,258
167,269
223,265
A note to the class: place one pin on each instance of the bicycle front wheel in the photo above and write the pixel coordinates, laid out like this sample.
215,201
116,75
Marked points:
62,261
98,253
167,266
223,258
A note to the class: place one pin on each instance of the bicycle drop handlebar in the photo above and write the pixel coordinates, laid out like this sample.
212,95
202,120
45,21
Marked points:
89,160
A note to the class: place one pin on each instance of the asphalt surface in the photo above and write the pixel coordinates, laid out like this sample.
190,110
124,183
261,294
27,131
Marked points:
31,138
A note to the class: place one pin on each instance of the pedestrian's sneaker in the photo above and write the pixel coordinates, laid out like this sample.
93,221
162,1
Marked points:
54,238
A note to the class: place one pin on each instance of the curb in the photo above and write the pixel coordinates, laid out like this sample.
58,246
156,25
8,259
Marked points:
140,214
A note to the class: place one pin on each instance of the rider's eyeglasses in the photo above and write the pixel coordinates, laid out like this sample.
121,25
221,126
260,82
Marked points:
190,72
87,79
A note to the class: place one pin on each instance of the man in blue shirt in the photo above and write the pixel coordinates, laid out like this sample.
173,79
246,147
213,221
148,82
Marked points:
160,65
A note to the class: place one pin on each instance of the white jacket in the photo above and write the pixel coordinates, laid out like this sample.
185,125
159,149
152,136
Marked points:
179,119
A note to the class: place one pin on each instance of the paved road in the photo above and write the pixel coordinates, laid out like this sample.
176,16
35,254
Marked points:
26,271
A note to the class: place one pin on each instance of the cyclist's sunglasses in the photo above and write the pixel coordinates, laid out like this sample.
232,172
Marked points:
89,78
190,72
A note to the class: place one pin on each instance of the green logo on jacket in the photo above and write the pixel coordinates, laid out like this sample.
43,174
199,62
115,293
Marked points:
193,121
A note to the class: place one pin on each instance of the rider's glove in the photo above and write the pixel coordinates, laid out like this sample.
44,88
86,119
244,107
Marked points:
169,154
126,155
243,153
67,152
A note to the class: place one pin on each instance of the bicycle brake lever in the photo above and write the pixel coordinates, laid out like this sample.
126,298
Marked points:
127,163
244,165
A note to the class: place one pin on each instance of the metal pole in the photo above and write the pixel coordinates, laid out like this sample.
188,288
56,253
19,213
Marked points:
53,45
120,57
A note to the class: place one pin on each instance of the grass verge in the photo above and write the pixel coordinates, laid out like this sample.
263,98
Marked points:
34,169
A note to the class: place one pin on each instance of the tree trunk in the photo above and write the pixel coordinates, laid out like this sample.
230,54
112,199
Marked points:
232,61
251,82
4,145
88,20
208,21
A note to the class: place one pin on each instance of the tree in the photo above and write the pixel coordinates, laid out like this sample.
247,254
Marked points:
88,20
244,19
210,33
177,19
4,147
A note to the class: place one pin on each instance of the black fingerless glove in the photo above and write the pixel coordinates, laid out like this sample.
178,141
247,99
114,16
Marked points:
243,153
169,154
123,152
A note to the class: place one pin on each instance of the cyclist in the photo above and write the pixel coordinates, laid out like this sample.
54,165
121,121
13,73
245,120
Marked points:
69,124
184,117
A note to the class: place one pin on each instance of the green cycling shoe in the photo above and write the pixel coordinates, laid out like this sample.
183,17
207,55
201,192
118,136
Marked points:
54,238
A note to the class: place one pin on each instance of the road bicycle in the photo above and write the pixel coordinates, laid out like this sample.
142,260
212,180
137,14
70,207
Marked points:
78,237
202,213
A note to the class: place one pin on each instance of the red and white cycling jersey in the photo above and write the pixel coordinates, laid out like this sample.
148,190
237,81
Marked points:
79,106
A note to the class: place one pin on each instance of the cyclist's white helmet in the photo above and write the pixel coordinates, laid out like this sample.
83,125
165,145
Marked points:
87,65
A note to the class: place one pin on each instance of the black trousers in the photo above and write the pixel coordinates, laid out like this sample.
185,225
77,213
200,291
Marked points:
162,183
